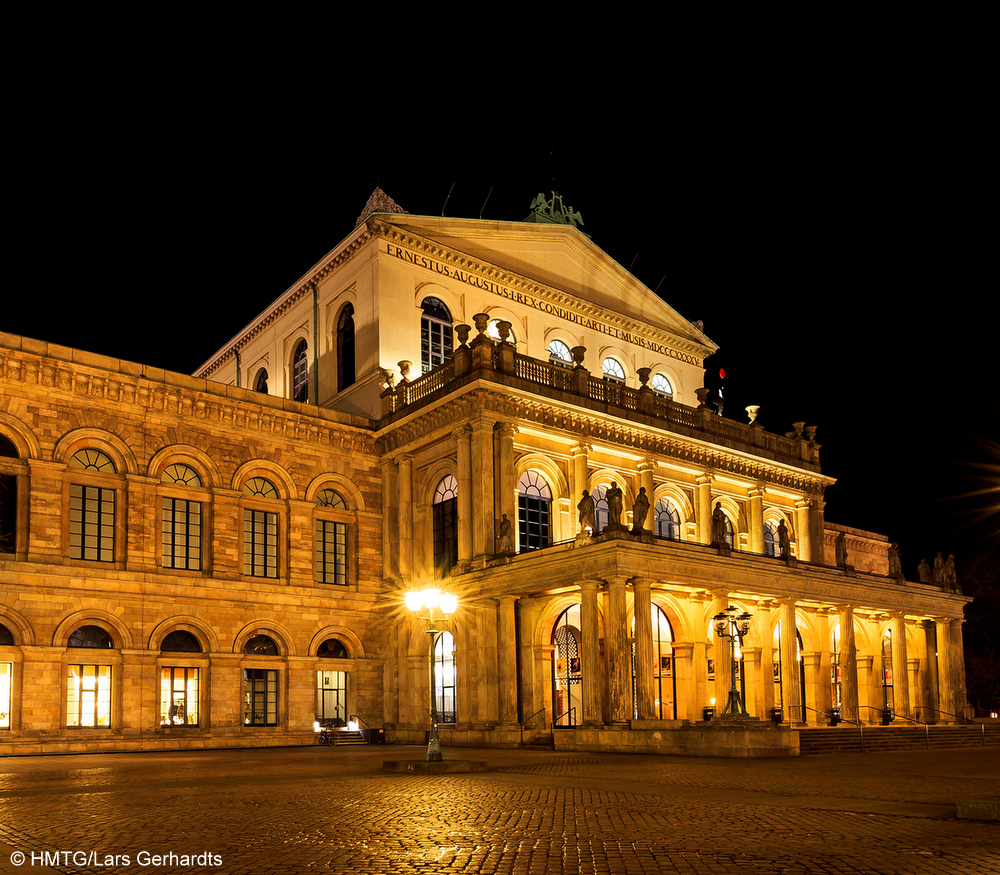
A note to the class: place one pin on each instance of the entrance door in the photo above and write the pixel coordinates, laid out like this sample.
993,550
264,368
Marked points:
567,705
331,696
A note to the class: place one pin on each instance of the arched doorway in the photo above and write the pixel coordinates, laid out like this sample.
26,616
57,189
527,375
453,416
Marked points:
567,704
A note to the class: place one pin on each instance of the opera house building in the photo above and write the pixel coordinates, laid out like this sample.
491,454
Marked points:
497,410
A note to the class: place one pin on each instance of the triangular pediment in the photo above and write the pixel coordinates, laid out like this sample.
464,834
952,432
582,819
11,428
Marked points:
558,256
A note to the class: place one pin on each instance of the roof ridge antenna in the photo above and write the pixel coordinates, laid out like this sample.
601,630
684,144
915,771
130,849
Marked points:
483,207
450,190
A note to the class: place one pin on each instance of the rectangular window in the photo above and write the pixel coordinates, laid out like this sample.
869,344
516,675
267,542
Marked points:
181,533
91,523
260,543
331,696
331,552
88,695
6,674
260,697
178,697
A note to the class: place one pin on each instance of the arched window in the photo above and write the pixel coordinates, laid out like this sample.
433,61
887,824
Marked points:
567,704
92,509
260,383
333,648
8,497
445,677
178,683
664,682
613,370
667,520
770,540
534,511
6,679
331,539
88,687
345,348
559,354
300,372
260,531
435,334
493,331
260,685
446,525
261,645
661,386
599,494
181,520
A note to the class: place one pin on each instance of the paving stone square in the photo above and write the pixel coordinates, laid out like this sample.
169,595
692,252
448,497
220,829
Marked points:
316,809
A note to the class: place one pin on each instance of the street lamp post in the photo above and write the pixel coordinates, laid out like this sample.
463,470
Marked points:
729,624
432,600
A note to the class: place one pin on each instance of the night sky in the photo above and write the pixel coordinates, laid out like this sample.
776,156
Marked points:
836,257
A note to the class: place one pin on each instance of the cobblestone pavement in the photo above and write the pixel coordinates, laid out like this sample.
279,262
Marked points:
304,810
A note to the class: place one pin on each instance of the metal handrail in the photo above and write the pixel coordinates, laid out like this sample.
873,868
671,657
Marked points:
555,720
964,719
366,732
858,723
526,719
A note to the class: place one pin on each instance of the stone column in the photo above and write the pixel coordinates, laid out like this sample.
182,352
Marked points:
811,661
803,540
483,534
757,519
505,501
824,678
644,681
900,666
406,516
699,691
507,661
590,654
752,680
686,686
867,709
932,701
703,508
646,468
720,652
487,711
578,480
947,680
463,437
390,519
791,682
763,690
958,657
848,664
616,636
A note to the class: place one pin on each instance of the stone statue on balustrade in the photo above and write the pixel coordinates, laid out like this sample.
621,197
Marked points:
588,521
840,548
784,542
924,571
895,567
505,537
614,499
639,511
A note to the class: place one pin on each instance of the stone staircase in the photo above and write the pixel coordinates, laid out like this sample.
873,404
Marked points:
846,738
539,741
348,736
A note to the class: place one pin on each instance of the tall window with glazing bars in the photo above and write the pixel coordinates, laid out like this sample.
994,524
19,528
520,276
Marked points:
92,508
260,531
331,540
181,525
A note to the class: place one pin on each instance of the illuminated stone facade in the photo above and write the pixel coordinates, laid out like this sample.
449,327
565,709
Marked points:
204,561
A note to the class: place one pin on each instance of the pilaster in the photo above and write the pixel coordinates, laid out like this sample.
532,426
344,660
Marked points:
618,664
848,664
756,519
590,653
463,438
644,681
507,661
703,508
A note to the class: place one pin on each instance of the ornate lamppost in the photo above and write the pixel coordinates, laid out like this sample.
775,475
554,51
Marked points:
732,625
444,603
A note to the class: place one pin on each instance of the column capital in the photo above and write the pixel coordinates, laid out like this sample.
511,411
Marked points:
756,491
588,585
463,431
704,479
506,429
506,599
641,582
647,464
582,447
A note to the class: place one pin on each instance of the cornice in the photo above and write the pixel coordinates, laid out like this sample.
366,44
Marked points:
230,407
586,426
